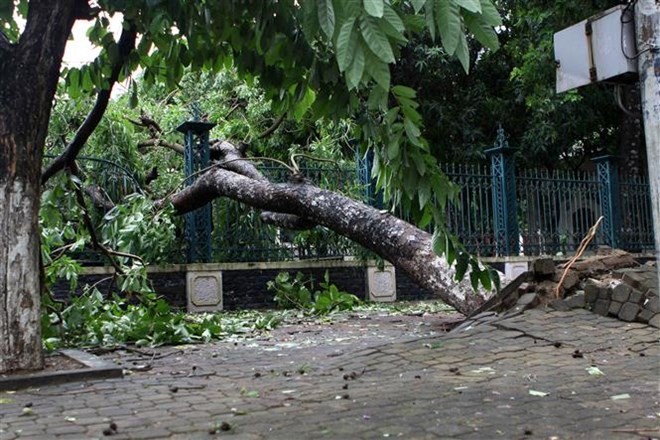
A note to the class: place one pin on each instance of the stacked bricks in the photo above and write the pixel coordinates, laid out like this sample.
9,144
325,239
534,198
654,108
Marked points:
621,300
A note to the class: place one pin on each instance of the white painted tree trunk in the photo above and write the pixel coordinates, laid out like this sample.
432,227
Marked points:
29,72
647,28
20,302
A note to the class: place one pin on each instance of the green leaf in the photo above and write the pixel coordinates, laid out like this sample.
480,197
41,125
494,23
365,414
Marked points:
378,70
483,32
424,193
412,131
474,279
495,277
133,100
393,149
404,91
430,18
376,39
347,40
461,265
310,20
303,105
463,53
451,252
449,20
392,17
355,71
87,83
438,242
326,16
374,7
418,5
470,5
420,164
484,277
489,13
74,83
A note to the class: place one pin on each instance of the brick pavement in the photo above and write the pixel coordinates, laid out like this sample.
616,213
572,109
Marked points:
526,376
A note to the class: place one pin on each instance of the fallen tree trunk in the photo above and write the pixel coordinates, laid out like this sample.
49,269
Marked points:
407,247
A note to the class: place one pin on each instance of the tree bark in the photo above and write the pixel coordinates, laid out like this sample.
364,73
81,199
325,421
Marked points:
647,29
404,245
29,71
125,45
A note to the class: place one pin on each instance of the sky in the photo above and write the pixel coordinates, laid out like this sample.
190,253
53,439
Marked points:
80,51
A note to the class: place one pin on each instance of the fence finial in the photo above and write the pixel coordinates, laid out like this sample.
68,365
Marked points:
500,141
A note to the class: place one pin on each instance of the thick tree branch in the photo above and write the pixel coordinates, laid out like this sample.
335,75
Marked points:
80,198
5,44
286,221
270,130
99,198
125,45
178,148
407,247
234,161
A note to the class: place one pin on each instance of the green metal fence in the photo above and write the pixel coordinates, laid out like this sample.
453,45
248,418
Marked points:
553,210
239,235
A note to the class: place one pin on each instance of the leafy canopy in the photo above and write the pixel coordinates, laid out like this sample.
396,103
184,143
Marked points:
326,57
317,58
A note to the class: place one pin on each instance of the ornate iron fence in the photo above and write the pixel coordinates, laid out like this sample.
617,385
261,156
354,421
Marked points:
115,180
239,234
471,218
636,233
555,210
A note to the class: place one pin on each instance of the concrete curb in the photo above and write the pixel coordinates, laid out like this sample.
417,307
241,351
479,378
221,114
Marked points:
95,368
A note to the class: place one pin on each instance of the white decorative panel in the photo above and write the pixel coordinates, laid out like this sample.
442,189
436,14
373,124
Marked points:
204,291
381,284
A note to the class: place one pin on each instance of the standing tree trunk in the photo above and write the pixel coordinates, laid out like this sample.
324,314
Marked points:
647,29
29,71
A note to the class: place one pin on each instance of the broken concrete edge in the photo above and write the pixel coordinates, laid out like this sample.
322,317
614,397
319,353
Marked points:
500,297
94,368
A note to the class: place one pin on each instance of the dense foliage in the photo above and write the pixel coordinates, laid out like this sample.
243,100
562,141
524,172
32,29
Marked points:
514,87
300,293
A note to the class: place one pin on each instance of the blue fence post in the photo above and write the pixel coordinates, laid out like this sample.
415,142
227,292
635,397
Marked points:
610,192
198,223
504,196
365,164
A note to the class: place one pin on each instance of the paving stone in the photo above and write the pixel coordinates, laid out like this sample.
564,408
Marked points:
592,290
571,279
633,278
621,292
645,315
414,392
655,321
528,299
543,267
601,307
652,304
560,305
629,312
636,297
576,301
66,430
614,308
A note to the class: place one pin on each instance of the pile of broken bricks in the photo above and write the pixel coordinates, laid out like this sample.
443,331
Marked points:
611,283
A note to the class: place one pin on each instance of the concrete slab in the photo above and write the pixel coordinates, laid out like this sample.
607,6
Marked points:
94,368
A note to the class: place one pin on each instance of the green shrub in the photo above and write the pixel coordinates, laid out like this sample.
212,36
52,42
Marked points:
296,293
